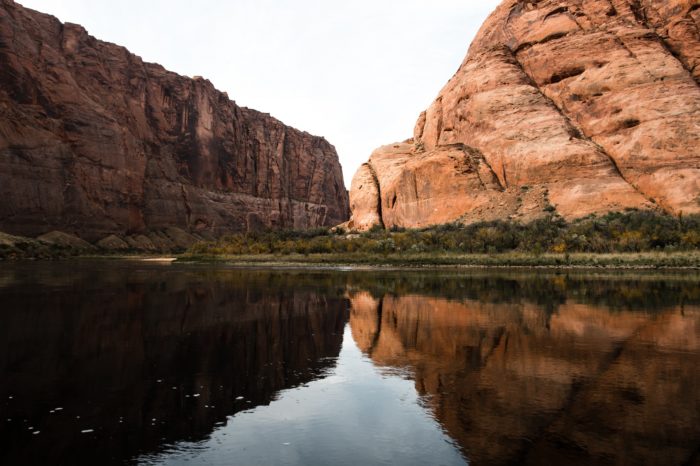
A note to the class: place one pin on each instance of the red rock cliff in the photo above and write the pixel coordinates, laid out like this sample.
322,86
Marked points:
95,141
586,106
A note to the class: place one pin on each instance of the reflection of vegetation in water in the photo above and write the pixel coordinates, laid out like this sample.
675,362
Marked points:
614,291
618,232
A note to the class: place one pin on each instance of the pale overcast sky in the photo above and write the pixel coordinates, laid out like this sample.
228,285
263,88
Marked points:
356,72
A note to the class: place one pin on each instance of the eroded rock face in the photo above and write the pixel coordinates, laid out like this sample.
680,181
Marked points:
94,141
589,106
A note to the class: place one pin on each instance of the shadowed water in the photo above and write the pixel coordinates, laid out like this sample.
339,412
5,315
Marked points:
110,362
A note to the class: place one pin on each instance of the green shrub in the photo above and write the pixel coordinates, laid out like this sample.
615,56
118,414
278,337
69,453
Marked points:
629,231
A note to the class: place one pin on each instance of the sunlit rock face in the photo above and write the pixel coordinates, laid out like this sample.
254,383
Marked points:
148,360
588,106
562,382
93,141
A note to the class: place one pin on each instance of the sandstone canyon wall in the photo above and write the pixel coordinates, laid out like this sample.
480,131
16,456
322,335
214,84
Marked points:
586,106
94,141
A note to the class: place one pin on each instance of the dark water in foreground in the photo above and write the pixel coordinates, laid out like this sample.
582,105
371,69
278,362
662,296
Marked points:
133,363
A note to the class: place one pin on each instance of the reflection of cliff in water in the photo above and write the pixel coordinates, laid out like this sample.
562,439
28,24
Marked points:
136,346
527,383
517,367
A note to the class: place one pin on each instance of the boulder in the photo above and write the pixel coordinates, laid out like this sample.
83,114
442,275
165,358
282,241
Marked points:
113,243
68,241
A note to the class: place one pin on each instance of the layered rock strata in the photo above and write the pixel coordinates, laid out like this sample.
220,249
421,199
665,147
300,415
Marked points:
581,106
94,141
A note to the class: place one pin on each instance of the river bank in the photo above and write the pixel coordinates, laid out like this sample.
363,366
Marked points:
632,239
652,260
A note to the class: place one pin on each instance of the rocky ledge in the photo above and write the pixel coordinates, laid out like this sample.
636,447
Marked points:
574,106
95,142
59,245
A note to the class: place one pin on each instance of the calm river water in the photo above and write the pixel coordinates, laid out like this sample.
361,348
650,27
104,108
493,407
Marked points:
112,362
